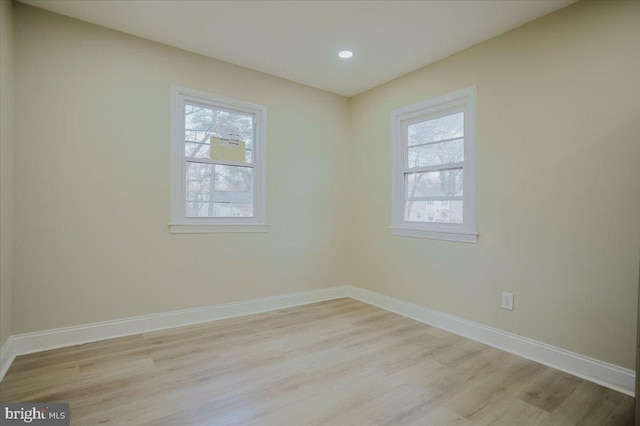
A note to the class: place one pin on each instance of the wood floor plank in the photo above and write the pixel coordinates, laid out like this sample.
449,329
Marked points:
511,411
623,414
550,390
340,362
588,405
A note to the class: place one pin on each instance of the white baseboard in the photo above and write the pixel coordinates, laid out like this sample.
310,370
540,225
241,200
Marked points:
6,356
600,372
22,344
605,374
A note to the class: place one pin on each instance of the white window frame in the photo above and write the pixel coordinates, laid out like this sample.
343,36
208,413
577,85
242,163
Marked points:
464,100
179,223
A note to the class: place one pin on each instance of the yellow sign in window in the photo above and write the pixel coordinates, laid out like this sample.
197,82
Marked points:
227,150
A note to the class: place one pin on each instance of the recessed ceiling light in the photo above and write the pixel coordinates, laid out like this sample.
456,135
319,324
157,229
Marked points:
345,54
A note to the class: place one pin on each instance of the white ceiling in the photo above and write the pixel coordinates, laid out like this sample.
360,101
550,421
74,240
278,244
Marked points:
299,40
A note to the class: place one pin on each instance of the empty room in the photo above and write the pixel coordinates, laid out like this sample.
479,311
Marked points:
319,212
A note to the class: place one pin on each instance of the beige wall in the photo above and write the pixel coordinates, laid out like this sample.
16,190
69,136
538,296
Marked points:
7,143
92,181
558,184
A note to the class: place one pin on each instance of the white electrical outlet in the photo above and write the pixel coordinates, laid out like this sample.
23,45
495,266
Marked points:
507,300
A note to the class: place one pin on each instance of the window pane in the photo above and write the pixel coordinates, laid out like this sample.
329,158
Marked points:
436,154
219,191
201,123
438,129
197,150
444,211
204,209
447,183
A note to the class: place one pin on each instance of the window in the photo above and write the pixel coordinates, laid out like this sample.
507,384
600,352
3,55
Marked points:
218,173
433,167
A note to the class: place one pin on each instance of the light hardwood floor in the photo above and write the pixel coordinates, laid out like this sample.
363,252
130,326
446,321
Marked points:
340,362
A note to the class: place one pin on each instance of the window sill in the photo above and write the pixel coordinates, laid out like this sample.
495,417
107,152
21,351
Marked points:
211,229
433,235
